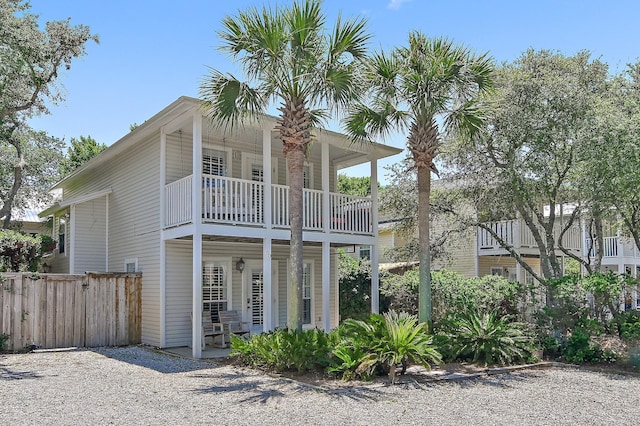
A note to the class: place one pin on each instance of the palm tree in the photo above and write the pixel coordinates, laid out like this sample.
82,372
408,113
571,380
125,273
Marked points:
414,89
289,58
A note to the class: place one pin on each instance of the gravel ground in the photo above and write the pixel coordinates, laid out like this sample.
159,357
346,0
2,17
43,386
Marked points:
138,386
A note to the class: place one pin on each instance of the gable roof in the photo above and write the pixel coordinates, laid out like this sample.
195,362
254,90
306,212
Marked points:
185,105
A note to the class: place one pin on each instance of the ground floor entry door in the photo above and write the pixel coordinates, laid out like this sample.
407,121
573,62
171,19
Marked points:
254,283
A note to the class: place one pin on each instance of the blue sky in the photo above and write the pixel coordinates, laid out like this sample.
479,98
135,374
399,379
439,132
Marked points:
152,52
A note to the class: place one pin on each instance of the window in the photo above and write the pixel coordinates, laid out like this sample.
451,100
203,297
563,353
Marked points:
62,233
214,162
131,265
496,270
365,252
307,291
214,289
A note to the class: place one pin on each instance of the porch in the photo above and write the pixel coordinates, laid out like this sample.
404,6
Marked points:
227,200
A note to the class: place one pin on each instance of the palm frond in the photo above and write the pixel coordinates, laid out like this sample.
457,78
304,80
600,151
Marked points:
228,101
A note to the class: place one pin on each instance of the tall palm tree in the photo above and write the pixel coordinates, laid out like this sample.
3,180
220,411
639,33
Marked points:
288,57
429,89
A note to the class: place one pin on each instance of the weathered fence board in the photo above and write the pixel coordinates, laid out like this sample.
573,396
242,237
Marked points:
55,310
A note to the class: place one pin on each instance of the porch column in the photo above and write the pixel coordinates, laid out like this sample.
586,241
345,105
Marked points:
326,245
267,176
196,211
267,288
518,272
267,293
163,247
196,308
71,226
326,286
375,273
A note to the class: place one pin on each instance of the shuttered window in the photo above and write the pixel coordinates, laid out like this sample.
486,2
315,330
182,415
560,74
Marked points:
214,162
214,289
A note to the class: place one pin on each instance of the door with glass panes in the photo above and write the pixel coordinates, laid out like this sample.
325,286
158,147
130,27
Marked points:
254,282
253,169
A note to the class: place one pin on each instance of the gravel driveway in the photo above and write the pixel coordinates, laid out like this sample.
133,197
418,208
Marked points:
138,386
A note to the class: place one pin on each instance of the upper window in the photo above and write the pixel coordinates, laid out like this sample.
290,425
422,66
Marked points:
365,252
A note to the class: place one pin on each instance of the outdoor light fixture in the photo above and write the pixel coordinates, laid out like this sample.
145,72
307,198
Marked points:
240,265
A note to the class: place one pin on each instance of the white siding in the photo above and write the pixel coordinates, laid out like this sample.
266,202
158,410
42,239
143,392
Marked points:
179,284
134,219
90,244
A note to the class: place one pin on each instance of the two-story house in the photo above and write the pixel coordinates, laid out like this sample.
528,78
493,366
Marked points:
203,213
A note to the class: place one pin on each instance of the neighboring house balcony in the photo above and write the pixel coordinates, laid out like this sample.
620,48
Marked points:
515,233
614,249
234,201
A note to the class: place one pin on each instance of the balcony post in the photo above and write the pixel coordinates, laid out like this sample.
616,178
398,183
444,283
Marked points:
267,177
326,247
196,182
375,273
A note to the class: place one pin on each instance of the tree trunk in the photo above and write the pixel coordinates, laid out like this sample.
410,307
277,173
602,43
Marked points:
18,170
295,161
424,292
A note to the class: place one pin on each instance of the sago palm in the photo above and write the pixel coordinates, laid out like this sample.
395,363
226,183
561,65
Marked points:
429,89
288,58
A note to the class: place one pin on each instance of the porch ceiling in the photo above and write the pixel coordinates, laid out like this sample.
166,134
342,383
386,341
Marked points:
225,239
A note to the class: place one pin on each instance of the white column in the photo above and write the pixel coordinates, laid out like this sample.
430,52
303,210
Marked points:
72,239
196,206
267,292
326,246
518,272
106,233
326,190
375,274
163,247
326,286
196,308
267,180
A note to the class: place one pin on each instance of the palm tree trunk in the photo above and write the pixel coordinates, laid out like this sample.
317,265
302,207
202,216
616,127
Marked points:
295,161
424,292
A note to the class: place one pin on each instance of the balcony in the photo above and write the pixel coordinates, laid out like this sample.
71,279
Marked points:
614,247
516,233
234,201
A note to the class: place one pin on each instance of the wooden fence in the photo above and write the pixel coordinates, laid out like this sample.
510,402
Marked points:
57,311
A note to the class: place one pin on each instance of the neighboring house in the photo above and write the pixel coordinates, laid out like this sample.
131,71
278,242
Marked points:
203,214
29,222
478,253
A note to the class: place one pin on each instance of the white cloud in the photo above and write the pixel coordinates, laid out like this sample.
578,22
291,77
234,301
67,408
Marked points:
395,4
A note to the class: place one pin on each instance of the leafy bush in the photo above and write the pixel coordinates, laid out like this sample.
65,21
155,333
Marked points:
4,338
402,291
384,342
487,338
628,324
284,350
354,277
453,292
18,252
580,349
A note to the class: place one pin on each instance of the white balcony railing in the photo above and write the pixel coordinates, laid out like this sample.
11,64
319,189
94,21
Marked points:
613,247
516,233
241,202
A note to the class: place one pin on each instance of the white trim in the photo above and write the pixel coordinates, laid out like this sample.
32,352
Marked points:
375,272
84,198
228,267
129,261
106,234
163,243
71,226
326,286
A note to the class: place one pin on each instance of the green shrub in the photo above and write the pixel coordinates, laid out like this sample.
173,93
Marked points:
383,342
284,350
18,252
628,324
402,291
580,349
354,276
487,338
4,338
